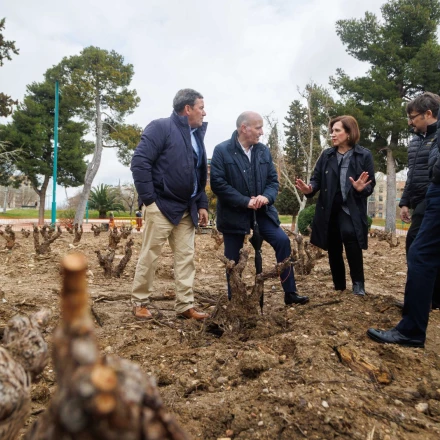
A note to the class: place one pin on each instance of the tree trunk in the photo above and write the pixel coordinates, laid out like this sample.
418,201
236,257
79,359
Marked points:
390,224
93,166
302,205
42,195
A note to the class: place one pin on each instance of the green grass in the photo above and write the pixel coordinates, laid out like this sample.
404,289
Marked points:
33,213
399,223
286,219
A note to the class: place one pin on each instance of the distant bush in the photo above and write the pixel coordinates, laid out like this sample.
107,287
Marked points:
305,219
66,216
369,221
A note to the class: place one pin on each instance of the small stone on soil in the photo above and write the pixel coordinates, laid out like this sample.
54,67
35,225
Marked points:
422,407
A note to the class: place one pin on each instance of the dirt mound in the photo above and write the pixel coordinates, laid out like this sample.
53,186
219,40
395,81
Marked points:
302,372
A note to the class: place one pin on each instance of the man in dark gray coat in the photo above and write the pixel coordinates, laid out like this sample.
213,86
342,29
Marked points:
244,179
422,117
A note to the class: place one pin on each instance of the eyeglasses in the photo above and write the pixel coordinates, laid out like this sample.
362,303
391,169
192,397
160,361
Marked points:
411,118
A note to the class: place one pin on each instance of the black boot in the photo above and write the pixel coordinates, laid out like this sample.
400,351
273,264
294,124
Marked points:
294,298
358,288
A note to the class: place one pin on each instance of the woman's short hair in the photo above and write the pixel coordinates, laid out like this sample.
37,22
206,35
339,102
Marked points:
351,127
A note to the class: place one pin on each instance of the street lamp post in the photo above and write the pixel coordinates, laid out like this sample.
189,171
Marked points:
55,157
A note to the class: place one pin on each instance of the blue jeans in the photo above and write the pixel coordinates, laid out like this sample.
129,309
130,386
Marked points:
276,237
423,265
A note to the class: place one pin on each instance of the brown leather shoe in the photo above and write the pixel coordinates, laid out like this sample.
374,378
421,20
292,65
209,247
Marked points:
141,313
193,314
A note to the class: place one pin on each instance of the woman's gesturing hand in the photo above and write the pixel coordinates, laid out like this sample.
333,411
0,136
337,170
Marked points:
303,187
361,183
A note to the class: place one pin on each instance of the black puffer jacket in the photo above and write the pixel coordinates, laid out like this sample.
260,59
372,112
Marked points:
434,160
417,181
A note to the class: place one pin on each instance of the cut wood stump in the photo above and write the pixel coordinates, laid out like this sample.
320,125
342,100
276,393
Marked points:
304,254
9,235
114,237
44,248
243,310
78,230
106,261
126,231
217,238
23,356
96,230
103,398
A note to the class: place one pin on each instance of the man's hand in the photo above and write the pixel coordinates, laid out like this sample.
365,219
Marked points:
303,187
360,184
203,217
251,204
260,201
405,215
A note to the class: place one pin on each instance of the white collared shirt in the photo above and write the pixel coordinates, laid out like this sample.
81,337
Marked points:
248,152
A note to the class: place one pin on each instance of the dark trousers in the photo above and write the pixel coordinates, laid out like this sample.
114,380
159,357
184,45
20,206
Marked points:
342,233
423,266
416,222
276,237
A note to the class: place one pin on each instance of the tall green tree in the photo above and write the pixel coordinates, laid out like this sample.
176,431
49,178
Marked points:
105,198
7,48
97,81
31,130
402,51
306,136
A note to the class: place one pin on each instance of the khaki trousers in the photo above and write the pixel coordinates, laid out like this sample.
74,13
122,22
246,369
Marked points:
157,229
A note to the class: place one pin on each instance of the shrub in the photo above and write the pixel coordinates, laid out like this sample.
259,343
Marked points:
369,221
305,219
66,217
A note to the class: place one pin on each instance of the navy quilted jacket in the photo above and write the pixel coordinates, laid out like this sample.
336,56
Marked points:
163,168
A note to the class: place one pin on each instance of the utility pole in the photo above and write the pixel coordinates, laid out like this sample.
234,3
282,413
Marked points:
55,157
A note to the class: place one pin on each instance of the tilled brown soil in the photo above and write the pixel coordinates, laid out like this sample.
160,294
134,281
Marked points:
281,379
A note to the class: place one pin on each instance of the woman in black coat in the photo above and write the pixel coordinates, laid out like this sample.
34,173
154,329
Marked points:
344,177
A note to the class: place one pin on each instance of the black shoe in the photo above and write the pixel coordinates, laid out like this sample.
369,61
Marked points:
294,298
435,306
358,288
393,336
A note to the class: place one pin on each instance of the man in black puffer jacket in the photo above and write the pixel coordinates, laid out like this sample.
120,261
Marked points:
422,117
423,265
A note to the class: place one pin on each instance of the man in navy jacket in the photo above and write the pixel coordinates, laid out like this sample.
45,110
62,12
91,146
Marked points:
169,169
245,181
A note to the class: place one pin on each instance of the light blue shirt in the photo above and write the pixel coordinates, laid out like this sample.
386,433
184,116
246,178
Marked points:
196,149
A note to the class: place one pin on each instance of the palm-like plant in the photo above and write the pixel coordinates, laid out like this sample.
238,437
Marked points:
104,198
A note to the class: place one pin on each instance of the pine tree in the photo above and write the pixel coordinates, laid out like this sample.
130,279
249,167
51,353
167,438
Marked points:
403,54
97,81
31,131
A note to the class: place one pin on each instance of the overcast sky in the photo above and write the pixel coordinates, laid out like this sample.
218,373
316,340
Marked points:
240,54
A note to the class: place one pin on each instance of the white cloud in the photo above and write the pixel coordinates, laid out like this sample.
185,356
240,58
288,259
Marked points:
241,54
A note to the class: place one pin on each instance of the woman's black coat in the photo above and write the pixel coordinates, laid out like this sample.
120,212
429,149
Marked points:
325,180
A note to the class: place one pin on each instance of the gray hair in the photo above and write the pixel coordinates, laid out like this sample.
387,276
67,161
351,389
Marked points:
185,97
246,117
